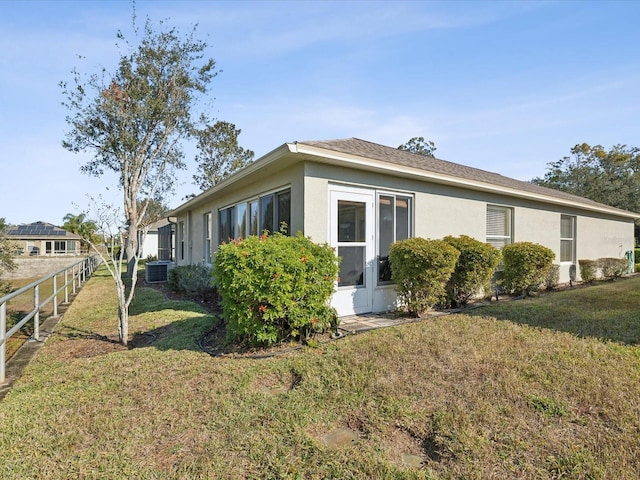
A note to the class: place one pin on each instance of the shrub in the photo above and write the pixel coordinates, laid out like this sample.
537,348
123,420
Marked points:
526,266
193,280
421,269
613,268
553,277
275,287
588,270
474,269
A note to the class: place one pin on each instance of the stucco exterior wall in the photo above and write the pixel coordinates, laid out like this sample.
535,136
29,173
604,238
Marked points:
250,188
438,210
599,238
441,210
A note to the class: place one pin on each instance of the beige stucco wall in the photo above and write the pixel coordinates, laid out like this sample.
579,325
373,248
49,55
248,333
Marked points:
444,210
439,210
251,187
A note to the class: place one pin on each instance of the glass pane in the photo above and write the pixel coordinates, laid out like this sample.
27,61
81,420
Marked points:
284,210
566,226
253,217
351,221
384,269
351,266
240,230
226,225
266,214
497,221
385,218
402,218
498,242
566,250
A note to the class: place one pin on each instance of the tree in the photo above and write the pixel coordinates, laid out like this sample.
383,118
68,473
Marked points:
6,257
79,225
420,146
610,177
134,121
219,154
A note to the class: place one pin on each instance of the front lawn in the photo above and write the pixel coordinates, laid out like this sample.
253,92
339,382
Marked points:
541,388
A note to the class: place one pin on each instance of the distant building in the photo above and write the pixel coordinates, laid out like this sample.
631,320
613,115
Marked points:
42,238
158,242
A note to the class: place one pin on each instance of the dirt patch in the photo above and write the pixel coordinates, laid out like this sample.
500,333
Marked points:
403,449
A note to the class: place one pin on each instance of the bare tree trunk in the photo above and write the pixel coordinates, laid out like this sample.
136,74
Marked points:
132,251
123,314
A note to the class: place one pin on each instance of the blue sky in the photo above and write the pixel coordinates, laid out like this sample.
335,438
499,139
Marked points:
504,86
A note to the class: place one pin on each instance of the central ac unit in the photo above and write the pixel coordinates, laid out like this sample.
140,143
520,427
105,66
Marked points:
156,272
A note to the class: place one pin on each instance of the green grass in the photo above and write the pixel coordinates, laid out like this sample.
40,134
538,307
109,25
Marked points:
516,390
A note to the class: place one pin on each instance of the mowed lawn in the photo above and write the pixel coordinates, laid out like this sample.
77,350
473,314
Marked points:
541,388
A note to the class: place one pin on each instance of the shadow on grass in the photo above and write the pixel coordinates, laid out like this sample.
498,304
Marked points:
607,311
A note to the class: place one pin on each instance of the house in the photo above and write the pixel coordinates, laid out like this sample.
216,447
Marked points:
360,197
158,241
42,238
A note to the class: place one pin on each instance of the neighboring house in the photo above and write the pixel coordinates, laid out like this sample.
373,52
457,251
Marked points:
42,238
155,241
361,197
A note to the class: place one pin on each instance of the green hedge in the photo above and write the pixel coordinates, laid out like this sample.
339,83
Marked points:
190,279
421,269
552,279
613,268
473,271
607,268
275,287
588,270
526,265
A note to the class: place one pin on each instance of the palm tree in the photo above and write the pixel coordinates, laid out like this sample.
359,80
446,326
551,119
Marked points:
80,226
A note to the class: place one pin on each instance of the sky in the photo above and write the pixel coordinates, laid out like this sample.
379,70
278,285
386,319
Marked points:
506,86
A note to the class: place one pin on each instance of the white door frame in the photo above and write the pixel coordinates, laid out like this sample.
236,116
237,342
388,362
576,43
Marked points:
357,296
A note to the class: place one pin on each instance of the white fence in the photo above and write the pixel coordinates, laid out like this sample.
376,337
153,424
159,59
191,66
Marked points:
74,276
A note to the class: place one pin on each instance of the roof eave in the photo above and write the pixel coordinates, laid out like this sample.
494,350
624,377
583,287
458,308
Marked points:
385,167
270,157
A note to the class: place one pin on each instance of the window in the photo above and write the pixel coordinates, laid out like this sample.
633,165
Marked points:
394,224
206,222
499,229
253,217
266,213
283,213
181,234
240,227
567,238
226,221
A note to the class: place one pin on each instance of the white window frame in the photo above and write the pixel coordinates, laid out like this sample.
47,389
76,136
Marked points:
206,227
410,225
571,239
181,234
505,238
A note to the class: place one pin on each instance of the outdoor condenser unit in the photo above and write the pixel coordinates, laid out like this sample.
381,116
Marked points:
155,272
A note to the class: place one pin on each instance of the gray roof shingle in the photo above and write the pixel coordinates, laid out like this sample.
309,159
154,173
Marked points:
374,151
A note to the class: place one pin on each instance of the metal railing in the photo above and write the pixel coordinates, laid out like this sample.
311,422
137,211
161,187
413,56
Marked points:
74,276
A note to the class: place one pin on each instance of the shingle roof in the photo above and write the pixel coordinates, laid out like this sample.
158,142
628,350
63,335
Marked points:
374,151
